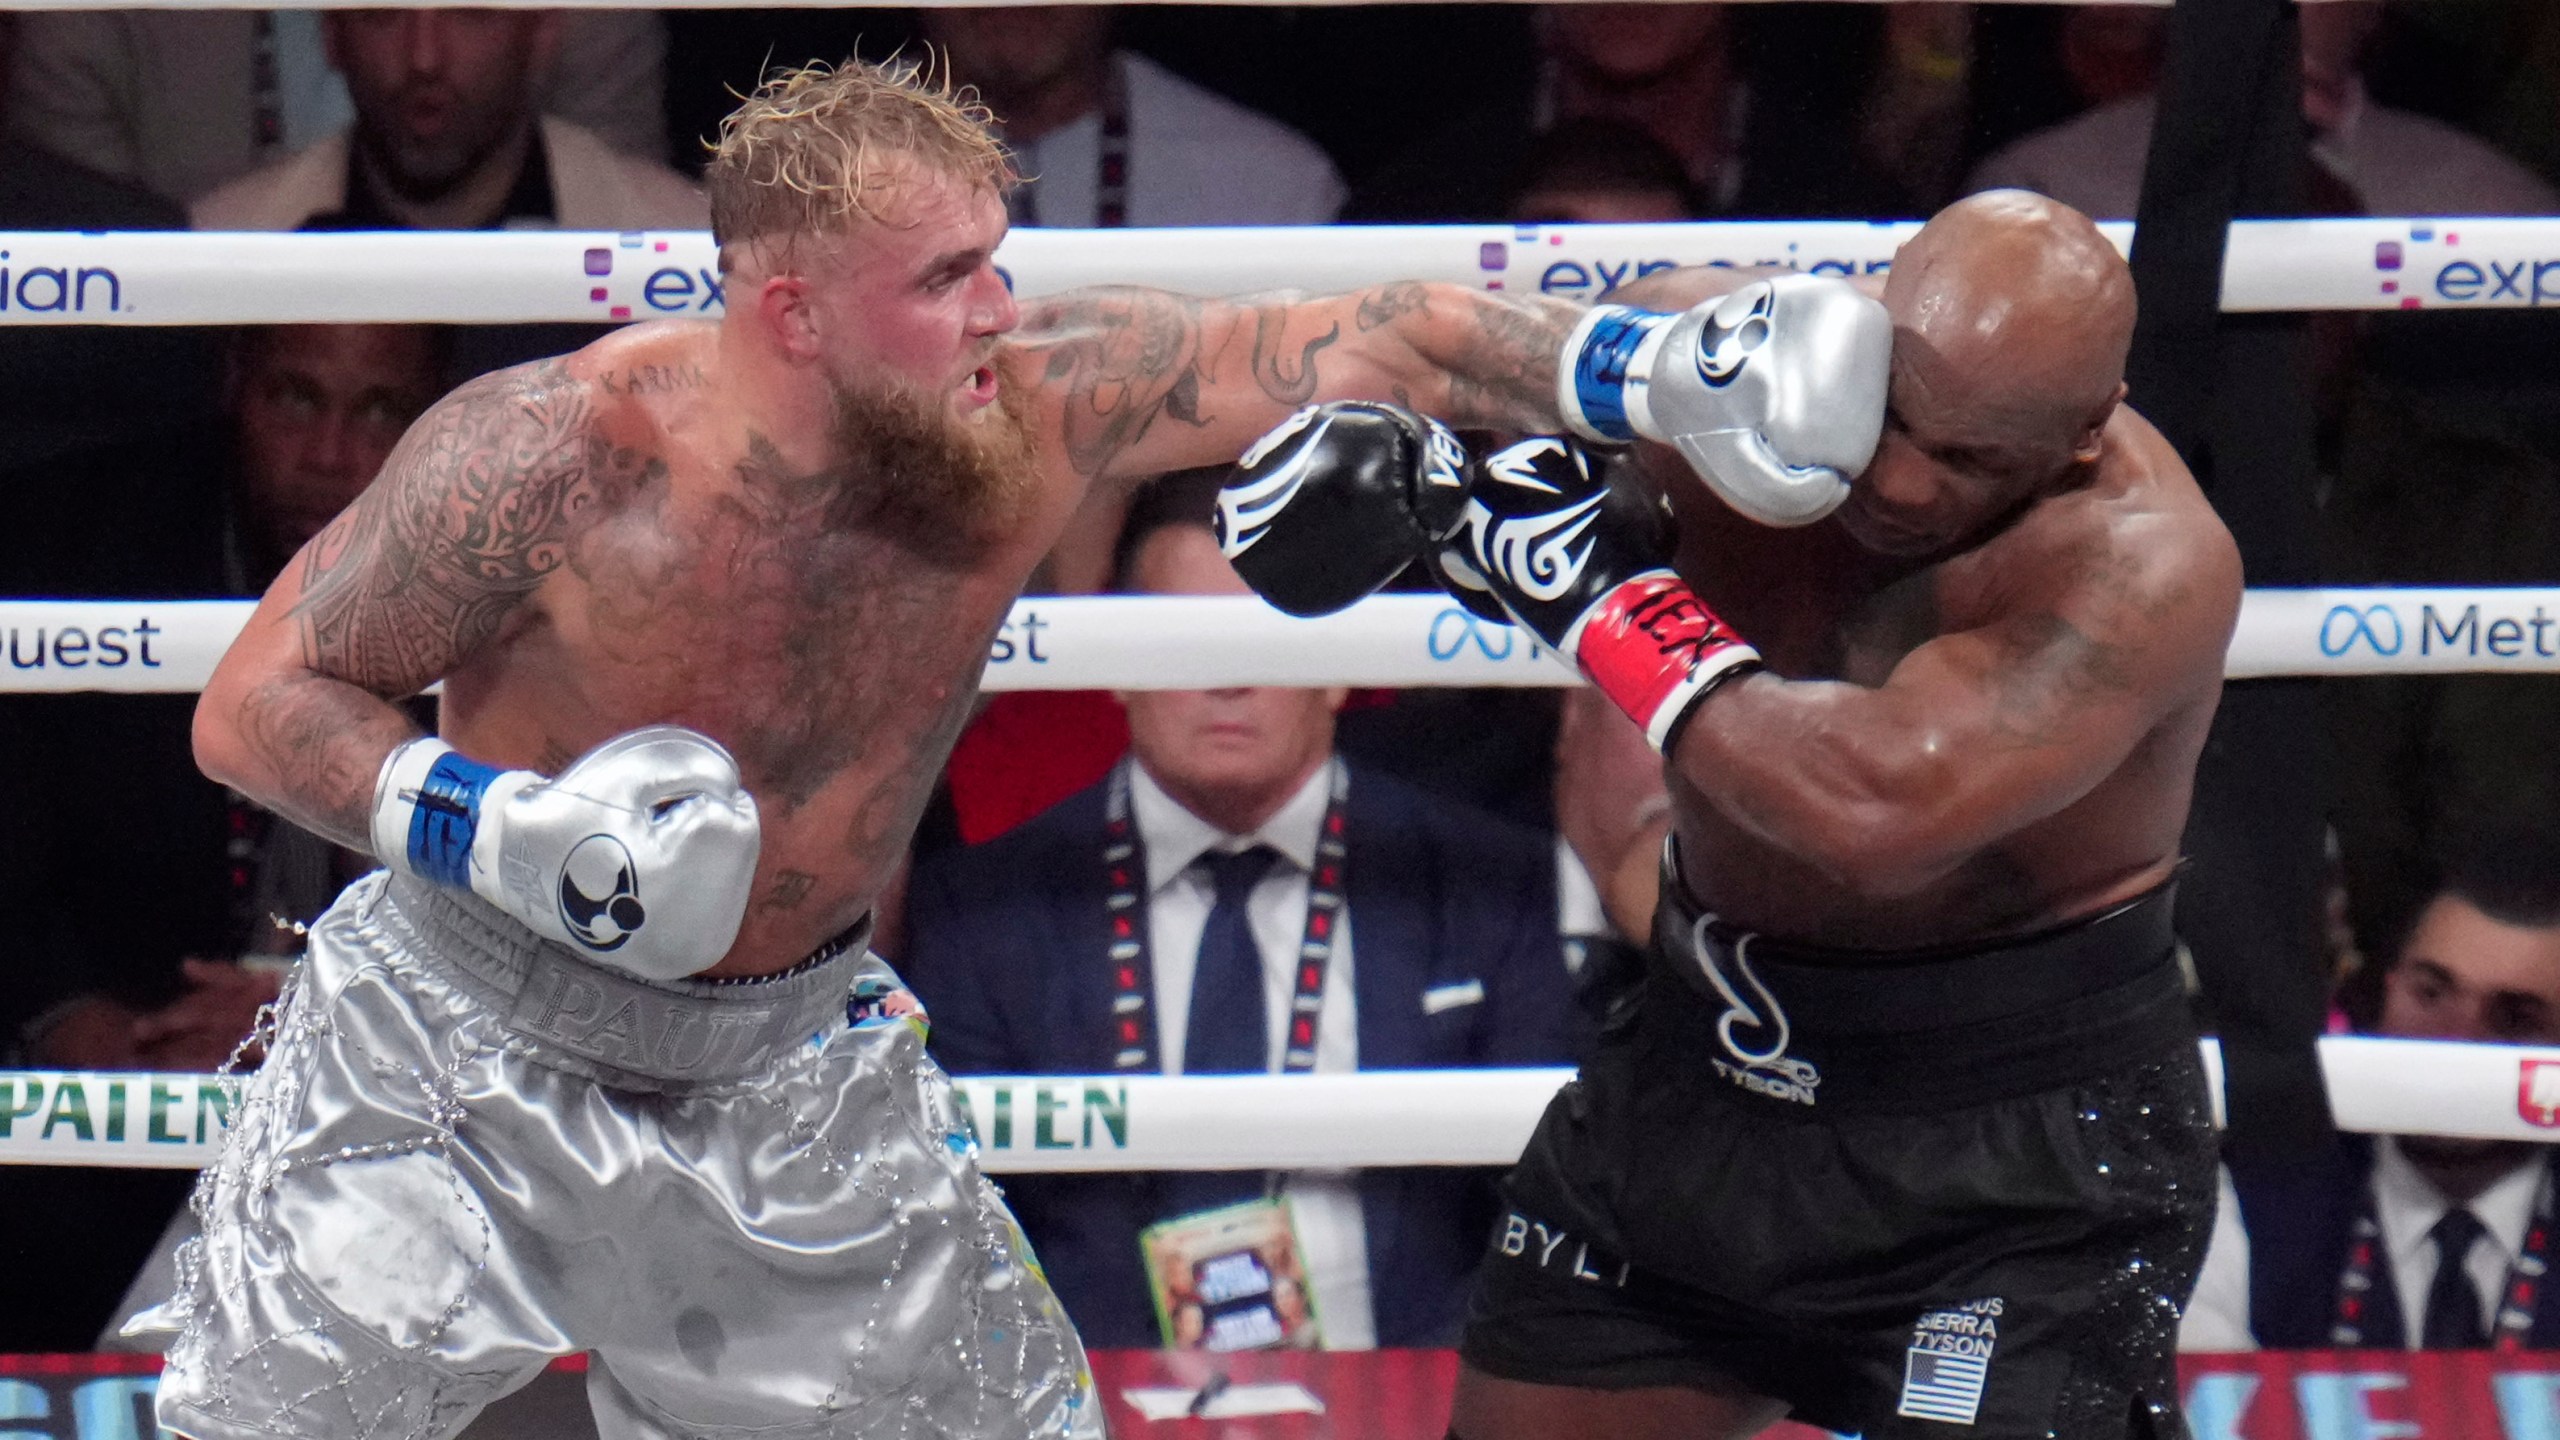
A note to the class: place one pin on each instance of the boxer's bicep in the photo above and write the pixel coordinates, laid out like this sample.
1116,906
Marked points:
1974,736
413,579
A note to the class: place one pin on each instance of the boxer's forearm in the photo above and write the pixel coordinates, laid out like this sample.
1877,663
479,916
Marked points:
304,745
1472,359
1128,382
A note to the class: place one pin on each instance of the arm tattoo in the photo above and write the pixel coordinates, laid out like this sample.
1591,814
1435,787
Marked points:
472,510
1118,359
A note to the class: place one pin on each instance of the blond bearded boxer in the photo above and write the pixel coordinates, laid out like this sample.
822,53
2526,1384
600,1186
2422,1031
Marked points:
709,601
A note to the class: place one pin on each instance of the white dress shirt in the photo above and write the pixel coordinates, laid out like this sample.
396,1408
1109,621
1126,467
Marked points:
2406,1207
1326,1202
1195,158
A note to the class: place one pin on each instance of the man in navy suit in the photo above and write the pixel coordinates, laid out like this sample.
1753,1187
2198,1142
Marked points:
2418,1241
1284,911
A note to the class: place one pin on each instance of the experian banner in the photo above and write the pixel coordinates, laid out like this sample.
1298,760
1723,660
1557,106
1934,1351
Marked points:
218,278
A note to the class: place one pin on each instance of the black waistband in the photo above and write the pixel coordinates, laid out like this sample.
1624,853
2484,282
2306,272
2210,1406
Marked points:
1918,1030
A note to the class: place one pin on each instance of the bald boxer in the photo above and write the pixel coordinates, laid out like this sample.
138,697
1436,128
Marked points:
709,601
1902,1129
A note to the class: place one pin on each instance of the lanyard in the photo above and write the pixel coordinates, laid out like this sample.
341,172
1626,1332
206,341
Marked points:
2516,1295
1124,858
1111,158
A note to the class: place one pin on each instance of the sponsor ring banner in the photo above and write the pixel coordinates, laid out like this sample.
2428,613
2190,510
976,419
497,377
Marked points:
1280,1122
1155,643
221,278
1404,1395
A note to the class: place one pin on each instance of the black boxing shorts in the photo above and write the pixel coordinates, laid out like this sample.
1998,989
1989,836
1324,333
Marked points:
1940,1193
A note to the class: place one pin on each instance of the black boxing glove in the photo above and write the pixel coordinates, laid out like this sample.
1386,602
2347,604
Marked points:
1337,500
1585,567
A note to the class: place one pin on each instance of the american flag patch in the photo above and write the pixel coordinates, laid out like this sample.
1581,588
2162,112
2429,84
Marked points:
1949,1362
1936,1386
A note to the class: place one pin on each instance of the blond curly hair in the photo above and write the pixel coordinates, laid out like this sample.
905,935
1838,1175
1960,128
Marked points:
818,148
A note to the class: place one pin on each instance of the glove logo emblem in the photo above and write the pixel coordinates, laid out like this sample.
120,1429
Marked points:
600,894
1724,345
1536,552
1245,511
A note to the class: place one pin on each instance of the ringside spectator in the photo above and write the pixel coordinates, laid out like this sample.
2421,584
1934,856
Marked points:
2416,1241
134,886
66,386
446,136
2395,162
181,101
1437,932
1675,72
1108,137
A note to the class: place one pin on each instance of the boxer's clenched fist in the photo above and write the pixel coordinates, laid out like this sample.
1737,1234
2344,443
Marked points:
1586,567
1335,501
1774,394
640,855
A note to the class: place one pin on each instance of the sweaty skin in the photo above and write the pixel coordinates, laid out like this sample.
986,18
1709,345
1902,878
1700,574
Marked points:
1989,674
608,540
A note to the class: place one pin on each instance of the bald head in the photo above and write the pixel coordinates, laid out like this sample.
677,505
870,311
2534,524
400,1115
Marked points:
2011,317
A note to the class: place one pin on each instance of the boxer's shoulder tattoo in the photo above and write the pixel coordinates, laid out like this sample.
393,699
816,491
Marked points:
476,505
652,379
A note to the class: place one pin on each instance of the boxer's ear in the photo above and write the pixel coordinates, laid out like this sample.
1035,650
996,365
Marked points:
789,312
2085,450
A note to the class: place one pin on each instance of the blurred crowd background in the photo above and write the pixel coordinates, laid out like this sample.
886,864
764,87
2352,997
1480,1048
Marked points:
1487,838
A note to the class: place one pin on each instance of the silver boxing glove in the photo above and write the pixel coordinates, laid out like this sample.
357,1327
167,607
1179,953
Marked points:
1774,393
640,855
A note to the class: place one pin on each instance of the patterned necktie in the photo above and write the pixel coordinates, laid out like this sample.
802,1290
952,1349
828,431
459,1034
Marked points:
2453,1302
1229,1030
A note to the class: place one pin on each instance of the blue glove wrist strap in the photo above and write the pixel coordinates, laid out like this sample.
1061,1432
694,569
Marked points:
1600,369
446,818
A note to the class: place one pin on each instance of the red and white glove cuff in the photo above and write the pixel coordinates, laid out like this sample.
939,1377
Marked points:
1655,650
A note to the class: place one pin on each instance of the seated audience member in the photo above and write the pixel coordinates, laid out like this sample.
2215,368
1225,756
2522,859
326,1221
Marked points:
180,101
67,386
1107,137
1428,931
446,135
1673,71
2416,1241
2396,163
135,886
311,413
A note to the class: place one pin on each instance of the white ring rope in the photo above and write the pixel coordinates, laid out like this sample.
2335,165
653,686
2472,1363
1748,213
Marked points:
179,278
1281,1122
1194,643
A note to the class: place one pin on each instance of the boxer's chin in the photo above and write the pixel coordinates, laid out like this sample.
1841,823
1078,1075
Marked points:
948,482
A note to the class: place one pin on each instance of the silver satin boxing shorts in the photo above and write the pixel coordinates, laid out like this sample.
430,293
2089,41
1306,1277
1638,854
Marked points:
470,1151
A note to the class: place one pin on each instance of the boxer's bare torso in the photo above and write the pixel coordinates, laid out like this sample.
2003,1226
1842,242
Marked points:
2071,593
584,546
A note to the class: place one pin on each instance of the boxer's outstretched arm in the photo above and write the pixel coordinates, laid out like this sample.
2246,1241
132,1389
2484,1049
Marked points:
1976,734
1133,382
426,568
